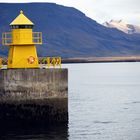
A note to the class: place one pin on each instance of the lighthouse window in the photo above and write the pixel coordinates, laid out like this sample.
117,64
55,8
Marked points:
13,27
25,26
16,27
22,26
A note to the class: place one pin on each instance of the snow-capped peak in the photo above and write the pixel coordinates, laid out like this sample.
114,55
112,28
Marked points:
123,26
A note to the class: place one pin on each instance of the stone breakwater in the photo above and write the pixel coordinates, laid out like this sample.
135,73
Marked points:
34,95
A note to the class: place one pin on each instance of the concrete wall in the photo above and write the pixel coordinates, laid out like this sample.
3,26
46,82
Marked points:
34,94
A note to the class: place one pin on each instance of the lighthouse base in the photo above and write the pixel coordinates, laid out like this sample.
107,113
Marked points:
34,95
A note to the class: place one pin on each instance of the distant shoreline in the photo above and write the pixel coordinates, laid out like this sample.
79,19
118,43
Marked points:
42,60
101,59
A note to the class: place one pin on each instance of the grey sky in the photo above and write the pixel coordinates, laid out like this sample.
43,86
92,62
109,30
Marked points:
102,10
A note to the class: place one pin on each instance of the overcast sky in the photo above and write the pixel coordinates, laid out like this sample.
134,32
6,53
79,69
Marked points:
101,10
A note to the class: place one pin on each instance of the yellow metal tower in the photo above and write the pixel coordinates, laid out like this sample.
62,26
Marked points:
22,40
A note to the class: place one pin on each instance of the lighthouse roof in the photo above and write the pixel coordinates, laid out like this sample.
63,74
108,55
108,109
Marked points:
21,19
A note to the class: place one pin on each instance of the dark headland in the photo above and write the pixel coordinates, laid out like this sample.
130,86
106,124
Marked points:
101,59
69,33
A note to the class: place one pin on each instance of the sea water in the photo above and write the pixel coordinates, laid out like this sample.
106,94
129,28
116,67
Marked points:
104,104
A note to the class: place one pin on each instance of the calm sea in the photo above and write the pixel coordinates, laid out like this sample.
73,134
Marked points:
104,104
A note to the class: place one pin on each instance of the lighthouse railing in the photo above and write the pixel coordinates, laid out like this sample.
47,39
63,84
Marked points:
6,38
44,62
37,37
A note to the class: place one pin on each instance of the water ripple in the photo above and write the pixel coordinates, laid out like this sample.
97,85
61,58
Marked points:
104,122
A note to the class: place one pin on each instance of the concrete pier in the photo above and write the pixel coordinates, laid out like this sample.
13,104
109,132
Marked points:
34,95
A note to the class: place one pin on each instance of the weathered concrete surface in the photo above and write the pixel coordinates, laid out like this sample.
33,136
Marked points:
34,95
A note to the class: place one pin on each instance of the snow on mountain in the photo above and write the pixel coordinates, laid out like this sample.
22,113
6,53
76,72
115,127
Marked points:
123,26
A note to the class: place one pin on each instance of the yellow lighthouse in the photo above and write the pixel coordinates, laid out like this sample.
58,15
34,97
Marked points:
22,41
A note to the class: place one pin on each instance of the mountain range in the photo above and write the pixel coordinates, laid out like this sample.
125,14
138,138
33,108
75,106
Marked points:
67,32
123,26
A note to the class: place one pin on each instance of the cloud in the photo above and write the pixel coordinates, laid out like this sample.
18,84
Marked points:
117,9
